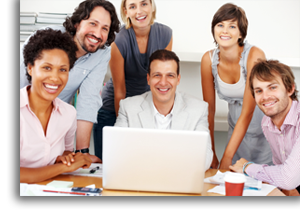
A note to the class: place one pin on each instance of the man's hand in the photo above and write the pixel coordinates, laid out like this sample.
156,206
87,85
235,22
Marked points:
94,158
67,158
238,166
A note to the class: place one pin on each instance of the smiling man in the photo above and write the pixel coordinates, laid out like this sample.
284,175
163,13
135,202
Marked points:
274,89
93,26
163,107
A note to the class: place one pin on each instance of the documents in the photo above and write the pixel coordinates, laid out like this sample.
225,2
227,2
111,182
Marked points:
94,170
219,179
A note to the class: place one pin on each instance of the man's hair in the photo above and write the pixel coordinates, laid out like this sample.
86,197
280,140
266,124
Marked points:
231,12
266,71
164,55
48,39
83,11
127,20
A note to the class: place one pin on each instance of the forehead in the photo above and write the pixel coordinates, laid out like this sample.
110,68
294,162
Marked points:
52,55
167,66
135,1
260,83
101,15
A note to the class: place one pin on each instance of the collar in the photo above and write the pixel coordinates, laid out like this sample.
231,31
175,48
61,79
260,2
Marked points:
24,101
290,119
156,112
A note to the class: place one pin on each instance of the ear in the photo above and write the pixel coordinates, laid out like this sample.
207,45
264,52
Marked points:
292,90
29,69
179,77
148,77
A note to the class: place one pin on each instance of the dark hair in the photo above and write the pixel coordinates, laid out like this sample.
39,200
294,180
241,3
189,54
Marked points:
231,12
266,70
83,11
164,55
48,39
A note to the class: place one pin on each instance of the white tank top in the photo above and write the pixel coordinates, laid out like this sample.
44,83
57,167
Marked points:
232,90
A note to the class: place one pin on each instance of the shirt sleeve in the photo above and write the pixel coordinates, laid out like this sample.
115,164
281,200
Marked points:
89,99
285,176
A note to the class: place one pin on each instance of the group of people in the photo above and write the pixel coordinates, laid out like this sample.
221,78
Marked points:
59,62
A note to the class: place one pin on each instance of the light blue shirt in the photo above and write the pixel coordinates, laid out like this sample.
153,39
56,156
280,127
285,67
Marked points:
87,75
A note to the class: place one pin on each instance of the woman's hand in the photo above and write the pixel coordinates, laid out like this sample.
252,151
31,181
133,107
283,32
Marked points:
67,158
225,163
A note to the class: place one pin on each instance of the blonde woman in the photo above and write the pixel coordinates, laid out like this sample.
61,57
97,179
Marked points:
130,53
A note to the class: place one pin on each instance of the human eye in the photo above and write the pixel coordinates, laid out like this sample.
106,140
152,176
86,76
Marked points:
232,26
131,7
220,25
258,91
63,70
47,68
273,87
92,23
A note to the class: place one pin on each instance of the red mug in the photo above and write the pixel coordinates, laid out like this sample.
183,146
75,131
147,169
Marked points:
234,184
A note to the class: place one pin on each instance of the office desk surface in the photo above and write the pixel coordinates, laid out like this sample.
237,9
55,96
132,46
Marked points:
81,181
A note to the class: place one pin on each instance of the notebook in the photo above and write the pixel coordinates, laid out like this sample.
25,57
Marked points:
156,160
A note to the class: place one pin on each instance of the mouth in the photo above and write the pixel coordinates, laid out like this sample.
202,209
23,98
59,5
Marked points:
141,18
269,104
93,39
51,88
163,90
225,37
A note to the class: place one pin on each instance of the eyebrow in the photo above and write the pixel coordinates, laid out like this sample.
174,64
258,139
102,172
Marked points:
99,22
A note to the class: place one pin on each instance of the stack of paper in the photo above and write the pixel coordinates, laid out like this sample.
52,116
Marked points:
253,187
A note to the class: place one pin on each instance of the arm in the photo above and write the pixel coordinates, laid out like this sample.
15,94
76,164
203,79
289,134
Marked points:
285,176
246,114
32,175
169,47
208,91
118,75
89,101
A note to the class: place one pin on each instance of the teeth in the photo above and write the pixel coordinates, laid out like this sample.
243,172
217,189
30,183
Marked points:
270,104
140,18
51,86
93,40
225,37
163,89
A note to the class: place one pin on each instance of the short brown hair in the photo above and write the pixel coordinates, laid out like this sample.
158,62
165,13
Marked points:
266,70
127,20
164,55
231,12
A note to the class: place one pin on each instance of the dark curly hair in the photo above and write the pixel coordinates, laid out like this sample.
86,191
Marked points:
48,39
83,11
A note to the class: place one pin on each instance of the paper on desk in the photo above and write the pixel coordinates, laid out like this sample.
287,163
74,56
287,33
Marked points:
218,178
37,190
86,172
265,190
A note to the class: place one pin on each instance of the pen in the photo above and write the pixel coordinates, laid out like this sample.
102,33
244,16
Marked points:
94,169
74,193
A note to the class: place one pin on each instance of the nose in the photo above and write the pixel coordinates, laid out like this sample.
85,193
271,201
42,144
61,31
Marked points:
163,80
225,30
54,77
139,9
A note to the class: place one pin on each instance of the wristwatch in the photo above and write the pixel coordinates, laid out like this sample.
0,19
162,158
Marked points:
85,150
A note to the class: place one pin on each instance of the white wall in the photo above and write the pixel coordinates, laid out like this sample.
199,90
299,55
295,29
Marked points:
274,26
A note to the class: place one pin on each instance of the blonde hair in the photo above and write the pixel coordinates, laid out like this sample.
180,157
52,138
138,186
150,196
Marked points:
127,20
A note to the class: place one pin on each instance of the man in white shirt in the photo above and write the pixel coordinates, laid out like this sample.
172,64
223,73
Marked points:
163,107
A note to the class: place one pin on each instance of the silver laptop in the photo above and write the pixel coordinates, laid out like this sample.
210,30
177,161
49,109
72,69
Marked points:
154,160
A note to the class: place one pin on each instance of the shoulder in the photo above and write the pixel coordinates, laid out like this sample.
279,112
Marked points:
123,34
161,29
193,102
207,56
135,100
67,110
256,53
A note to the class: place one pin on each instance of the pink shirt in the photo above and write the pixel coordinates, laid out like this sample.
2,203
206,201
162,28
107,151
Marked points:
36,149
285,146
